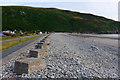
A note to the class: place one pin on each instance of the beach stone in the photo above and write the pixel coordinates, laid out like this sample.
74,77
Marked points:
29,65
94,48
52,76
38,53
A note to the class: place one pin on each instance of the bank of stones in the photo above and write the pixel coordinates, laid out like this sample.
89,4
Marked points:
72,57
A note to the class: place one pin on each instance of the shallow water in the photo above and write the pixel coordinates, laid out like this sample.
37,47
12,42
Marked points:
110,35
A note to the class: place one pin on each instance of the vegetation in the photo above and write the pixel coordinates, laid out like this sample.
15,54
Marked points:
8,44
10,37
14,36
55,20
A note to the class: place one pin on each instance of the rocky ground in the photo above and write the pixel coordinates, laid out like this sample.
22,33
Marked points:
72,57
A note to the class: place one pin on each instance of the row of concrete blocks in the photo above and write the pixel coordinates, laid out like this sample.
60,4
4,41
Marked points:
35,61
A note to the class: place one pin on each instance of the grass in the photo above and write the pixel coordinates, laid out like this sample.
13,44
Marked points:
0,38
10,37
78,18
13,37
8,44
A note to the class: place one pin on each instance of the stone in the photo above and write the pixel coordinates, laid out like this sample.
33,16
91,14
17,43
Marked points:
65,65
29,65
78,70
52,77
38,53
94,48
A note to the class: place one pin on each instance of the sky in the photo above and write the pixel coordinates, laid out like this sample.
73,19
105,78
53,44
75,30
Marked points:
106,8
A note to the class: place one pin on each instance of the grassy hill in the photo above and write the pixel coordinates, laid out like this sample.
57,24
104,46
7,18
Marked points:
52,19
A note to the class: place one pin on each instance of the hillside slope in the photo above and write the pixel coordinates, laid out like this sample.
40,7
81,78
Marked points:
51,19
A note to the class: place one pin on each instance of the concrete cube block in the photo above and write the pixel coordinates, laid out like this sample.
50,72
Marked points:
29,65
42,41
45,46
47,40
49,36
38,45
38,53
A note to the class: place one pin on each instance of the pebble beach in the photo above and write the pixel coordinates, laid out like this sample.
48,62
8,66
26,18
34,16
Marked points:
72,57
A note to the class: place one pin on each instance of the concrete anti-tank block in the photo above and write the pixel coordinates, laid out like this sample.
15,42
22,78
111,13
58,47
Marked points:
29,65
45,46
47,40
38,46
38,53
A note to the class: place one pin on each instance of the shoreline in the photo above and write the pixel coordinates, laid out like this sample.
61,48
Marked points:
112,42
110,36
109,40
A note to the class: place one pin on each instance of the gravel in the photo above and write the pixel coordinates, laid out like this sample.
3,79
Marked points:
72,57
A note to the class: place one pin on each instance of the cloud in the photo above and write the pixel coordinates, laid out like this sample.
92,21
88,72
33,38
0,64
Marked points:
59,0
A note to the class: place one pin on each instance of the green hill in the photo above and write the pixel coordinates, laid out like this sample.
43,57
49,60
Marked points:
54,20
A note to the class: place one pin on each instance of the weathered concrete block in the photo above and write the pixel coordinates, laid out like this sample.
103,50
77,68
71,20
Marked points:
38,53
49,36
46,37
45,46
42,41
29,65
47,40
39,45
